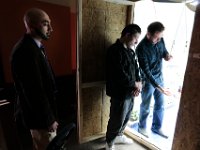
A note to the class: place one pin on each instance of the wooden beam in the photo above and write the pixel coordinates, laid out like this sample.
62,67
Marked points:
122,2
140,139
130,14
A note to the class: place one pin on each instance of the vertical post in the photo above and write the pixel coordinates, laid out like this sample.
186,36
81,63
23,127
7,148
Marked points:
187,133
130,14
78,54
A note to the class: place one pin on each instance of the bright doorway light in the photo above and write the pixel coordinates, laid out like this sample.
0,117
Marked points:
178,21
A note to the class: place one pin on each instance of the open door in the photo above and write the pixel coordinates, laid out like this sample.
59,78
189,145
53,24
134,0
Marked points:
178,24
99,24
187,129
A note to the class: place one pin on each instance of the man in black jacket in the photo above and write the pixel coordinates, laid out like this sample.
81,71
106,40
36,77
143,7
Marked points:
122,84
34,82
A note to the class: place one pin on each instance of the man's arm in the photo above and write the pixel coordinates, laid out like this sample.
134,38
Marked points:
143,61
166,54
138,83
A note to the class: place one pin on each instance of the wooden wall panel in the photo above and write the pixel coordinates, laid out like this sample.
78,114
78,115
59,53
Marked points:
105,111
95,108
91,111
102,23
187,132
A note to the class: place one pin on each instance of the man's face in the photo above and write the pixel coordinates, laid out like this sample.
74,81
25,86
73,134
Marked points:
156,37
43,28
132,40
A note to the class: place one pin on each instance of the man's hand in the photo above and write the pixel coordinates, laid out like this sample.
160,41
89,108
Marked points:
136,92
164,91
138,85
168,57
138,88
53,127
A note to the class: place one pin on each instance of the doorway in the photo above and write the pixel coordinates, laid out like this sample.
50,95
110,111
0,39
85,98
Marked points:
178,24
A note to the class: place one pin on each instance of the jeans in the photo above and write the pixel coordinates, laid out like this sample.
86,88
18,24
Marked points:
158,109
120,111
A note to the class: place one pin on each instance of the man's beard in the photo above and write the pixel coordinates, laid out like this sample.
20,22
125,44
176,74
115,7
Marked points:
42,35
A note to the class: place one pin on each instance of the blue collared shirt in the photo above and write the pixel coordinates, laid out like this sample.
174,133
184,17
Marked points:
150,59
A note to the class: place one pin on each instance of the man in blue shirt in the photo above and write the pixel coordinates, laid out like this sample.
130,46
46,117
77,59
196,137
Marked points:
150,51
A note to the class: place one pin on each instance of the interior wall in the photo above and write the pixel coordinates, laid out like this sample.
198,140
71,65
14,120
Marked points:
73,39
72,4
102,23
61,51
61,47
187,128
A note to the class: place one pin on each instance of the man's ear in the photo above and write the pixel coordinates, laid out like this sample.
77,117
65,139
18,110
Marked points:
148,35
33,26
128,34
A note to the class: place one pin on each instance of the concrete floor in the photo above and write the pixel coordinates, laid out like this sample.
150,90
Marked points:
169,122
161,143
99,144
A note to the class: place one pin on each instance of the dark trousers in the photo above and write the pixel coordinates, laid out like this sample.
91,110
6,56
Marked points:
120,111
24,135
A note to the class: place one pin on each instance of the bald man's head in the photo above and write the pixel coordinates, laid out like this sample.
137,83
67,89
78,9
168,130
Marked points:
37,23
32,16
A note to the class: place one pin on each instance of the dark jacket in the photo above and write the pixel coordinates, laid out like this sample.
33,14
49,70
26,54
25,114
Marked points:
34,83
121,71
150,59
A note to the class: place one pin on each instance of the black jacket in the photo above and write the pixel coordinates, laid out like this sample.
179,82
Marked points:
121,71
34,83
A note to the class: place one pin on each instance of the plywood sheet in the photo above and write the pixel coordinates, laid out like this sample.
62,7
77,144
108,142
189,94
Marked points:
102,23
94,112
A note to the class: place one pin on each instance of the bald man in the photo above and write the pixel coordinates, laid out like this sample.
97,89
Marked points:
34,83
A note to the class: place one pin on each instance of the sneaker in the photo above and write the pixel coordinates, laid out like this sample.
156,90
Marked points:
143,132
122,139
112,147
160,132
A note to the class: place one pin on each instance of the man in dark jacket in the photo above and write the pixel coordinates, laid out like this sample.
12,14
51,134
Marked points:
34,82
122,84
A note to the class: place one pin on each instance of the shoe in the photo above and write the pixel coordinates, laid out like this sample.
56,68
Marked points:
122,139
112,147
160,132
143,132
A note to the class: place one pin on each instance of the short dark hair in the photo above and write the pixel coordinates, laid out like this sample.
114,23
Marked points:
155,27
131,29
